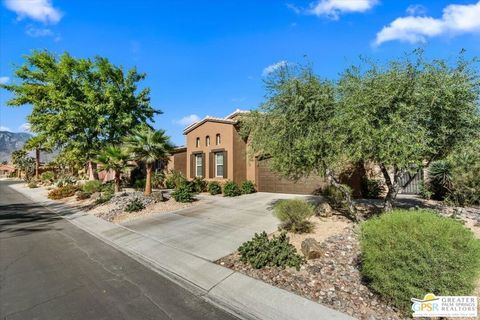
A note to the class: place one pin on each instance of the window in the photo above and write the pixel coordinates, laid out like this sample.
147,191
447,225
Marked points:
218,164
199,165
217,141
207,141
197,142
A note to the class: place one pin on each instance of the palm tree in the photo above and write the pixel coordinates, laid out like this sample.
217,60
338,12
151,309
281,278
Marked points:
148,145
37,143
114,158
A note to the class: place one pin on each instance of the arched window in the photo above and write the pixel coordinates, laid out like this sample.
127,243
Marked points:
207,141
217,139
197,142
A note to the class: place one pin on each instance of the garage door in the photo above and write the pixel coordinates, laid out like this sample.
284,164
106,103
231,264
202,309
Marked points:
268,181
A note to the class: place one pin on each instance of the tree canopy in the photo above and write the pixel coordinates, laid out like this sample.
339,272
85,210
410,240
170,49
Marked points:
400,116
80,104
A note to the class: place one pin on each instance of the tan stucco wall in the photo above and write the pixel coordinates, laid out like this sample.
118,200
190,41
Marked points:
211,129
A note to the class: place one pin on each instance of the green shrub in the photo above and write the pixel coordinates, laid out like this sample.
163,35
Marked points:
214,188
135,205
47,176
293,213
374,189
174,179
32,184
66,180
183,193
465,177
139,184
407,254
335,197
424,190
198,185
248,187
63,192
440,179
231,189
92,186
276,252
82,195
108,187
104,197
157,179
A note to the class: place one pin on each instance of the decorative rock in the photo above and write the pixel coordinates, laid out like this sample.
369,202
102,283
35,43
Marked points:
311,249
95,195
324,210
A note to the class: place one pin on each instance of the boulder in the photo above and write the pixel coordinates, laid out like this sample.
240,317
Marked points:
95,195
311,249
324,210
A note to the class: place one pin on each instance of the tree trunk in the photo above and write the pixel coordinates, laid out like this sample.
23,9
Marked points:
148,182
352,212
117,181
392,187
37,163
92,171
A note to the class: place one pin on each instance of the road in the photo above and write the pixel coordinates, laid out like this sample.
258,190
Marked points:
50,269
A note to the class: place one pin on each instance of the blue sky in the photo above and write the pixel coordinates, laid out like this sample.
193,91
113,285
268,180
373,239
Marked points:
209,57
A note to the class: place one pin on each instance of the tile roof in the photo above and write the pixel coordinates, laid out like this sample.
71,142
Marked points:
227,119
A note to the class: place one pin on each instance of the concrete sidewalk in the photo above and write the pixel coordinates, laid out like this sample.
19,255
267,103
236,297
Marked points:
244,296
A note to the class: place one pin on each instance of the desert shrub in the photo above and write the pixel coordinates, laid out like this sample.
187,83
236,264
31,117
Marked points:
104,197
248,187
440,179
293,213
174,179
407,254
260,252
231,189
47,176
335,197
424,190
32,184
465,177
139,184
63,192
183,193
135,205
108,187
214,188
82,195
157,179
374,189
92,186
66,180
198,185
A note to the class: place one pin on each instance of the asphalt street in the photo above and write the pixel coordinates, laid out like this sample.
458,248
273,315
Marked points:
50,269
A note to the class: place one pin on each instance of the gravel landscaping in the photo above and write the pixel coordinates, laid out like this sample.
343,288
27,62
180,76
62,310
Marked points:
333,279
114,209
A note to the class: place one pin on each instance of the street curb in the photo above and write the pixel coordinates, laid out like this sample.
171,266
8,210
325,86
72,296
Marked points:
235,293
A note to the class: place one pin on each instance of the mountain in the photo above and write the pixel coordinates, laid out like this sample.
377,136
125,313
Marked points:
11,141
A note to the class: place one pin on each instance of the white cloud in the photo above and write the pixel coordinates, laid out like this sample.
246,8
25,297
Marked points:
38,32
456,19
2,128
334,8
416,10
40,10
24,127
188,120
4,80
273,67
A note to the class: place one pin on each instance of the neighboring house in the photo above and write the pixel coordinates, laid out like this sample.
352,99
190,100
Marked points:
215,151
6,170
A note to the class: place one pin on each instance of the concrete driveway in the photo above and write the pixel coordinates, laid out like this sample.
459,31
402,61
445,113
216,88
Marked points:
214,228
